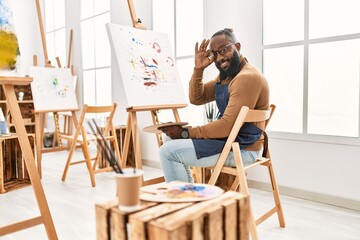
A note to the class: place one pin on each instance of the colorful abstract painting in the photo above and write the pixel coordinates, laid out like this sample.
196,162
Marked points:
9,47
148,69
53,89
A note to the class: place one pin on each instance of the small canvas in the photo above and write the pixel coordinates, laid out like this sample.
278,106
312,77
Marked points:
148,69
53,89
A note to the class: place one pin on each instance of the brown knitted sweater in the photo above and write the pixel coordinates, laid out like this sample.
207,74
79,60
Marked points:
248,88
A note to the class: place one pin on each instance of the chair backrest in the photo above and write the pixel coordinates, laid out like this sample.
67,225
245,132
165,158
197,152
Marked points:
248,115
245,115
108,109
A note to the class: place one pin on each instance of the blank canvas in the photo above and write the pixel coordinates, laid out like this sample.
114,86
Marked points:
53,89
148,70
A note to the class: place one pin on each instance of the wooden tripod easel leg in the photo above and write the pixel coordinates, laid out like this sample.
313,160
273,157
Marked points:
57,132
45,218
132,131
126,142
136,139
39,135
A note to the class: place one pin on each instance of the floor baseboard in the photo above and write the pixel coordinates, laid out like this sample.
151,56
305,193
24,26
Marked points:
151,163
307,195
292,192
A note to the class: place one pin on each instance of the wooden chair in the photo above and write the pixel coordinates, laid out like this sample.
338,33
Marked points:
247,115
83,138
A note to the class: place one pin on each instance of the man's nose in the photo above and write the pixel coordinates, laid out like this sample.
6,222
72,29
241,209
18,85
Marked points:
219,57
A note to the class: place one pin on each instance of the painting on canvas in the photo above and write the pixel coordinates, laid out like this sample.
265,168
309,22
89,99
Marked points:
9,47
53,89
148,69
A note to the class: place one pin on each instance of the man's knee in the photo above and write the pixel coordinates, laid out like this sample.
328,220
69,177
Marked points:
164,151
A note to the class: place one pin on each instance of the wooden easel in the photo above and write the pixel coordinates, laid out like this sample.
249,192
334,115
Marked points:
45,217
40,116
132,130
67,117
39,132
136,22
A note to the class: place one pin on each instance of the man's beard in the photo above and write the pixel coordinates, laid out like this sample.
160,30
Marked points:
233,69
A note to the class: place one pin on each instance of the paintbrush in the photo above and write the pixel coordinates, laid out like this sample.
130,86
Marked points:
106,148
112,154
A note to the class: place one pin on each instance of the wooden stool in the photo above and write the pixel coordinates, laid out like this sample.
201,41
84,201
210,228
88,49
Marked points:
224,217
13,174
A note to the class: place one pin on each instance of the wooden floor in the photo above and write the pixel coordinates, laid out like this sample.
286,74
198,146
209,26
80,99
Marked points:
72,205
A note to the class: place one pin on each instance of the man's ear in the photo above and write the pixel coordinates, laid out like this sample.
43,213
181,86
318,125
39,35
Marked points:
238,46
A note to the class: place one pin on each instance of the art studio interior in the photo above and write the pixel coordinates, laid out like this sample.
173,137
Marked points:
89,88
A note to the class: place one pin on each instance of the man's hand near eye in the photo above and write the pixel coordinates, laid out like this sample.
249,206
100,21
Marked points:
203,57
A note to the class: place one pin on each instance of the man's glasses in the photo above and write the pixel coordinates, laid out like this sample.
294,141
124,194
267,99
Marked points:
222,50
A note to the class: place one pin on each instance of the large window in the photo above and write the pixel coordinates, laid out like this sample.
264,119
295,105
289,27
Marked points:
172,17
55,31
96,53
311,57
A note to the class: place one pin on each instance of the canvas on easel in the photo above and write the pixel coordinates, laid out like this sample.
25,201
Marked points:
147,66
53,89
150,80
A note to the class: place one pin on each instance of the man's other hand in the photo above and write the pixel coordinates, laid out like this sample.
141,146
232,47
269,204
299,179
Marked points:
173,132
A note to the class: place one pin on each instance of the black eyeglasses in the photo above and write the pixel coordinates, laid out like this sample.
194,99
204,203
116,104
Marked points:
222,50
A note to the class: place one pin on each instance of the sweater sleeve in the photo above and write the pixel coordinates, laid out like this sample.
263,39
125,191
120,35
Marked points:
244,90
200,92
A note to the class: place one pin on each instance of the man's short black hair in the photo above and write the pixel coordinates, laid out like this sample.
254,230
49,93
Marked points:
228,32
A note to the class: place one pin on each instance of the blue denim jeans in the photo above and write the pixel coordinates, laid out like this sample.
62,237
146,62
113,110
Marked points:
176,157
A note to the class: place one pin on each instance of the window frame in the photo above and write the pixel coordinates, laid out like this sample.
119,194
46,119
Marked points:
53,32
304,136
201,118
94,69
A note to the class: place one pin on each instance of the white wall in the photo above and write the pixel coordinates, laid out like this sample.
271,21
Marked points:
28,33
72,23
330,169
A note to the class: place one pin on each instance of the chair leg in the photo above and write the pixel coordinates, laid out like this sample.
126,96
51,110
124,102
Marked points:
252,224
244,188
116,146
88,163
276,195
97,159
197,174
71,151
235,184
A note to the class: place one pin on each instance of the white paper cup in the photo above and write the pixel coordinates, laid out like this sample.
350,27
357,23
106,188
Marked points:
128,189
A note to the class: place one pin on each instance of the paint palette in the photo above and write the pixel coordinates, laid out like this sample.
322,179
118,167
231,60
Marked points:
179,192
155,128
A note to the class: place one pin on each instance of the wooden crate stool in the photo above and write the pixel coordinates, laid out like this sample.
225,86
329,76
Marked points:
120,133
13,173
224,217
